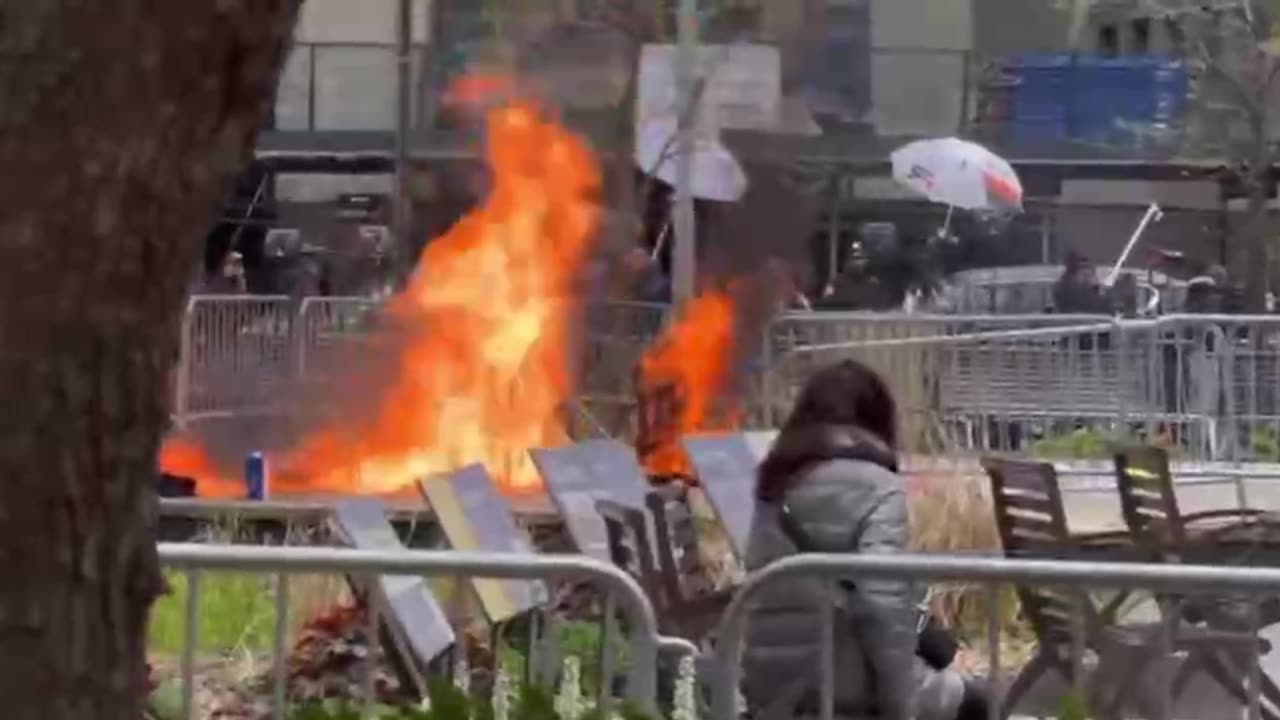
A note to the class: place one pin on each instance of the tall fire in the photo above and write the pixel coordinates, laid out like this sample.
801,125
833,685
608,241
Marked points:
483,330
683,380
485,371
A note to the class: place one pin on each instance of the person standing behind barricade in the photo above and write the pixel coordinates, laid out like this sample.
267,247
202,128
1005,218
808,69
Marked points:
830,484
1077,291
229,280
1200,363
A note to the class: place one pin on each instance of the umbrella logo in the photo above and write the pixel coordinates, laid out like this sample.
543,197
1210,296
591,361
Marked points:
922,174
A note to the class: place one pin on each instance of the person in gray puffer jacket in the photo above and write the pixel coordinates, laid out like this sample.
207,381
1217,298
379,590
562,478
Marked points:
830,484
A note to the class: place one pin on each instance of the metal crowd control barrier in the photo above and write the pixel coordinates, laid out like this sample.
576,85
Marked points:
235,351
992,571
239,349
983,383
614,338
193,559
324,323
1212,383
905,350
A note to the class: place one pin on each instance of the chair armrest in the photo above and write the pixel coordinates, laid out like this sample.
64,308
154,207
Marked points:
1116,545
1242,513
1103,538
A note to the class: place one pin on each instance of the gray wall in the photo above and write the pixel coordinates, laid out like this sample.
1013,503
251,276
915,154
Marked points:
919,55
1004,27
341,72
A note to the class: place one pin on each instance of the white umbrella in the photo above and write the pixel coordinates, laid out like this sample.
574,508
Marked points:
958,173
716,173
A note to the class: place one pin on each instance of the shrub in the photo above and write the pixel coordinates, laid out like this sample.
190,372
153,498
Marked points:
447,701
952,513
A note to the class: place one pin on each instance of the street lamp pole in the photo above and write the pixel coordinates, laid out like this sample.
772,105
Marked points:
684,249
401,211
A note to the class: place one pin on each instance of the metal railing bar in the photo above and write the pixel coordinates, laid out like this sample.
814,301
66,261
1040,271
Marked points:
934,568
629,596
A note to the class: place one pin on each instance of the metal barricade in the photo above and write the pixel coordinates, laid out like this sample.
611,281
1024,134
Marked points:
236,353
644,641
1209,384
615,336
958,379
992,572
239,350
325,327
1227,366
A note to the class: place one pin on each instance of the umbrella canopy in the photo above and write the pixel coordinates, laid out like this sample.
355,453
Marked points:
716,173
958,173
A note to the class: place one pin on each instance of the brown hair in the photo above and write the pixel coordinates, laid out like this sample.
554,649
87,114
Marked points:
847,395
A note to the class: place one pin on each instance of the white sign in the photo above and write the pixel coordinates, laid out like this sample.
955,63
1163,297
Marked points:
742,90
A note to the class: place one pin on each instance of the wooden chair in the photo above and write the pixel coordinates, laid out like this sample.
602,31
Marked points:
629,546
1149,503
1032,522
671,581
1157,525
629,549
690,600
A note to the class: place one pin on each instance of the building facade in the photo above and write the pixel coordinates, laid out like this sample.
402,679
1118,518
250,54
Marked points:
892,67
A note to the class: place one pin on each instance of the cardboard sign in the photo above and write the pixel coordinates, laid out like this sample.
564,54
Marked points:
726,468
579,475
475,516
410,607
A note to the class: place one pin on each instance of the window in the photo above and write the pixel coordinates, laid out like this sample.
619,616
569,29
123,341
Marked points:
1141,28
1108,41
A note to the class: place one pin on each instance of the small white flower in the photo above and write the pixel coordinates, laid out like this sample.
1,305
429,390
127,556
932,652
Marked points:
569,702
462,676
501,694
686,691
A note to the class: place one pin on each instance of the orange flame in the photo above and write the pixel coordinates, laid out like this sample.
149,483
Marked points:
484,373
682,380
185,458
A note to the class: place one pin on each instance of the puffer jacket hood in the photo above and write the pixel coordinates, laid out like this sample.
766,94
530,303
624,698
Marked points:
798,448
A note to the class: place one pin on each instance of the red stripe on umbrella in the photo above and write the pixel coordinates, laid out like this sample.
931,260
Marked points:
1002,188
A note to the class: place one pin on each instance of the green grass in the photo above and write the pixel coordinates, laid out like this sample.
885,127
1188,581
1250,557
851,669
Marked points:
237,611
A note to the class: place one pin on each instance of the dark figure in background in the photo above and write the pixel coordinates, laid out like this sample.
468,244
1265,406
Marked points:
1124,296
229,278
830,484
1077,290
1213,294
882,268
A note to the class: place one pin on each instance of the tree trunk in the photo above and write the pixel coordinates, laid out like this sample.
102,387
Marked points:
1257,233
121,126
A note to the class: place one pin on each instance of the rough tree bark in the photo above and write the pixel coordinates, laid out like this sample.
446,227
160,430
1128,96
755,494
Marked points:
120,128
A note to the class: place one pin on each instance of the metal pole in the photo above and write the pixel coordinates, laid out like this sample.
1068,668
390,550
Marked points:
400,211
684,251
1153,214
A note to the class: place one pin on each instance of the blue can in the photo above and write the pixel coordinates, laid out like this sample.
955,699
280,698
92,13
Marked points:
256,479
